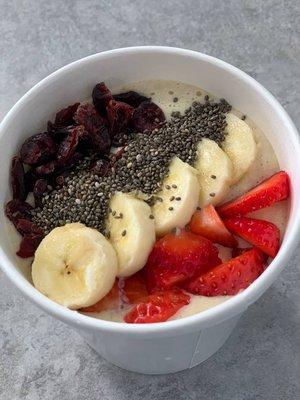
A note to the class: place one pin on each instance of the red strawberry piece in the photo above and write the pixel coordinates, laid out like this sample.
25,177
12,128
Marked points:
207,223
131,290
109,302
260,233
274,189
29,244
178,257
230,277
157,307
237,251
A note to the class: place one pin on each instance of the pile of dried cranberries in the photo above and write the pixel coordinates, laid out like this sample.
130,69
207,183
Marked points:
77,131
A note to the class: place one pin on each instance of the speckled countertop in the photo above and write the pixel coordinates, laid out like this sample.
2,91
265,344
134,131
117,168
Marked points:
40,358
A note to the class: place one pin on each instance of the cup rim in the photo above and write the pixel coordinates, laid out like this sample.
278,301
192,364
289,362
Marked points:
216,314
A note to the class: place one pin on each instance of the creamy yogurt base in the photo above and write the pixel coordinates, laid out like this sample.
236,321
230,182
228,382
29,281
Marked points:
177,96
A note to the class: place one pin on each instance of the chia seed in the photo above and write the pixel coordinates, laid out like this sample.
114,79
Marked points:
141,168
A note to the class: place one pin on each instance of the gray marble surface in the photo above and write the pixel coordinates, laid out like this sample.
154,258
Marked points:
40,358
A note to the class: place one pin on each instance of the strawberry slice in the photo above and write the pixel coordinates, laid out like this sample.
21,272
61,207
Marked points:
207,223
157,307
131,290
230,277
237,251
177,257
260,233
109,302
274,189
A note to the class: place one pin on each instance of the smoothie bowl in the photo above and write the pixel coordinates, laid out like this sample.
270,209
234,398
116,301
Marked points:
149,197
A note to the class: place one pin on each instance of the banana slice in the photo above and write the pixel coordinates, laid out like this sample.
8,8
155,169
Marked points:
215,172
179,197
74,266
239,145
132,232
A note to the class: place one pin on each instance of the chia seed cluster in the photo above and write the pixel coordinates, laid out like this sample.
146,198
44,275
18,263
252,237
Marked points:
142,168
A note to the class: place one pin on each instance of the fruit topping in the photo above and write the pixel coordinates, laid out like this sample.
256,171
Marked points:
68,145
101,97
178,257
37,149
18,179
262,234
239,145
215,172
131,290
29,244
230,277
132,98
158,307
273,189
147,117
207,223
132,232
237,251
40,187
17,209
74,265
119,116
65,116
46,169
177,199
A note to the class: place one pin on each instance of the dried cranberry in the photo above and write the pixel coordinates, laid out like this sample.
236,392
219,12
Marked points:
101,97
88,116
60,180
17,209
25,226
39,189
101,141
65,116
30,178
18,179
29,244
74,160
58,132
132,98
69,144
100,167
147,116
46,169
119,116
37,149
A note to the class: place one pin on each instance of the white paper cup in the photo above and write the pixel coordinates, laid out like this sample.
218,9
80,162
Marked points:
175,345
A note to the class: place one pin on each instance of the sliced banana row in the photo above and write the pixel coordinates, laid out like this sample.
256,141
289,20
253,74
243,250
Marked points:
219,168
